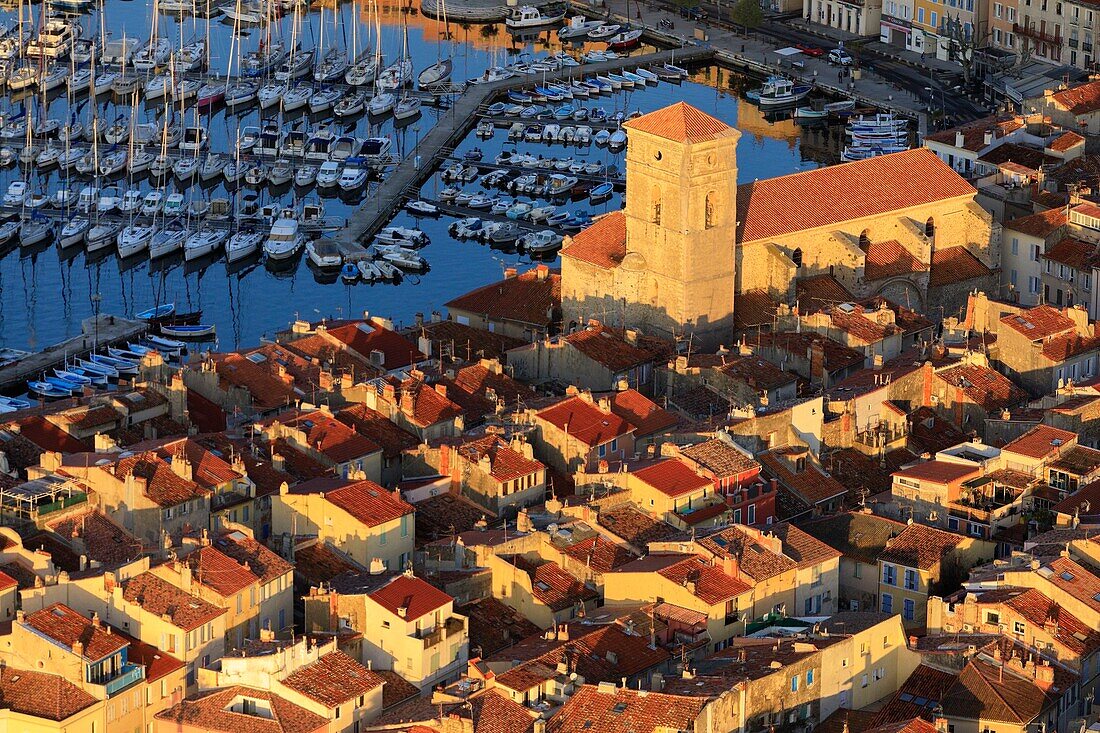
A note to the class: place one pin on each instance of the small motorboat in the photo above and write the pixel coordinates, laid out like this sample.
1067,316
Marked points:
352,179
305,175
11,404
422,208
601,192
402,236
324,254
188,332
349,273
157,313
48,390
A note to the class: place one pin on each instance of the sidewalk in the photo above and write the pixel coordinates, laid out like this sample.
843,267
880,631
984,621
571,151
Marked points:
876,47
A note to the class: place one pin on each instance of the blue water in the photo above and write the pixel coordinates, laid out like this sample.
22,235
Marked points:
44,294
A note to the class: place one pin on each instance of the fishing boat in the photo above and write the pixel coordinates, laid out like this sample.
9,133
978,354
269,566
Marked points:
48,390
779,91
809,113
528,16
625,40
11,404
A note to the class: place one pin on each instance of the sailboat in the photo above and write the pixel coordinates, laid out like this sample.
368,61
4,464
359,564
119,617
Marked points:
440,72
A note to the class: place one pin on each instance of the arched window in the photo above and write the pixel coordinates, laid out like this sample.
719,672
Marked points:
709,214
656,207
865,239
930,228
796,257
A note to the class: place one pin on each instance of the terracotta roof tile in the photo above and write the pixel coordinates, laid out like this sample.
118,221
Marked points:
262,562
625,711
1075,253
416,596
1076,580
48,436
365,337
889,258
41,695
505,463
429,405
939,472
953,265
802,547
672,477
215,712
378,429
798,343
1041,224
585,422
601,555
208,469
462,342
1060,348
755,560
1044,613
974,132
328,436
67,627
647,417
920,547
602,244
753,308
1081,99
318,563
859,536
104,541
532,297
819,291
1038,323
834,194
680,122
365,500
163,486
635,526
495,626
612,349
985,387
551,585
1065,141
1040,441
721,458
812,485
268,391
712,585
333,679
160,598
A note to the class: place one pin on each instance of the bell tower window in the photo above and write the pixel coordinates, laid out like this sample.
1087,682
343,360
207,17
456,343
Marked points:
796,257
930,228
656,208
709,213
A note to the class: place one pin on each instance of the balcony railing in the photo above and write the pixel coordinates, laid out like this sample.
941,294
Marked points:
1036,34
131,673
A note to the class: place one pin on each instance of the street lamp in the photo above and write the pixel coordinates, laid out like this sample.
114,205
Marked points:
96,297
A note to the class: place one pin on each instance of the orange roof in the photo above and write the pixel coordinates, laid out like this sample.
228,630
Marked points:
672,477
585,422
416,596
1065,141
644,414
955,264
1040,224
505,464
939,472
888,259
838,193
1040,441
365,500
680,122
1081,99
602,244
1038,323
365,337
68,628
219,572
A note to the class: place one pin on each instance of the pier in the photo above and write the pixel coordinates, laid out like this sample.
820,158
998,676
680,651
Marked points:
437,145
97,331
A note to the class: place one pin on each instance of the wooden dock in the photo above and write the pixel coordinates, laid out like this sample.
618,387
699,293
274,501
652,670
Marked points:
405,180
110,330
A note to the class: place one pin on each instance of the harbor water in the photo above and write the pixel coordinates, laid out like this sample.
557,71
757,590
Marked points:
45,291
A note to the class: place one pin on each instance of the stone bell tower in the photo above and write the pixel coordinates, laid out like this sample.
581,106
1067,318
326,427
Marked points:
681,224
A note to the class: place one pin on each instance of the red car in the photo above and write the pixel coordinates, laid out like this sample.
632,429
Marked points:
810,50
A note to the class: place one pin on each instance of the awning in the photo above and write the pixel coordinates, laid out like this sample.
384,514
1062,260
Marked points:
895,26
788,51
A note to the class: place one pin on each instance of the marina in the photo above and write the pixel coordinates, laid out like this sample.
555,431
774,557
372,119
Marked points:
171,159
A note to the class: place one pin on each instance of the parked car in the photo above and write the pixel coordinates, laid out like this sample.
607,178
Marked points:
694,13
809,50
840,56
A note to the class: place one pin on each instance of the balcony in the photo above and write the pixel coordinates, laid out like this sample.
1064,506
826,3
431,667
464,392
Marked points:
130,674
1037,35
448,628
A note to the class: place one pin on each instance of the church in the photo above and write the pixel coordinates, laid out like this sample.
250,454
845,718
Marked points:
691,246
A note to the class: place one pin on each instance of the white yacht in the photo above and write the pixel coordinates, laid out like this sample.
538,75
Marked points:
285,240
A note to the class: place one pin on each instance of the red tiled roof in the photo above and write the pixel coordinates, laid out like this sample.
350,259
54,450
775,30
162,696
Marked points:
601,555
41,695
532,297
207,469
672,477
585,422
602,244
985,387
163,486
365,500
680,122
6,581
920,547
803,548
1075,253
1065,141
104,541
625,711
378,429
712,585
1081,99
1038,323
48,436
818,291
720,458
822,197
157,663
429,405
974,132
416,596
647,417
1076,580
551,585
953,265
262,562
1068,630
333,679
505,463
1070,344
211,712
204,414
1040,441
1040,224
161,598
364,337
889,259
67,627
219,572
811,484
753,308
610,348
328,436
755,560
940,472
268,391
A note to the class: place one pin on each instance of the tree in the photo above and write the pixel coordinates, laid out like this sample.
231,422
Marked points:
747,13
964,43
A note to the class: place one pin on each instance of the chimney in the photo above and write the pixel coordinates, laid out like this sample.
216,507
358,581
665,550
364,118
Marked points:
377,567
631,336
509,273
542,272
185,577
96,623
182,467
441,389
731,566
988,137
1044,675
389,393
960,139
278,462
408,403
78,648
